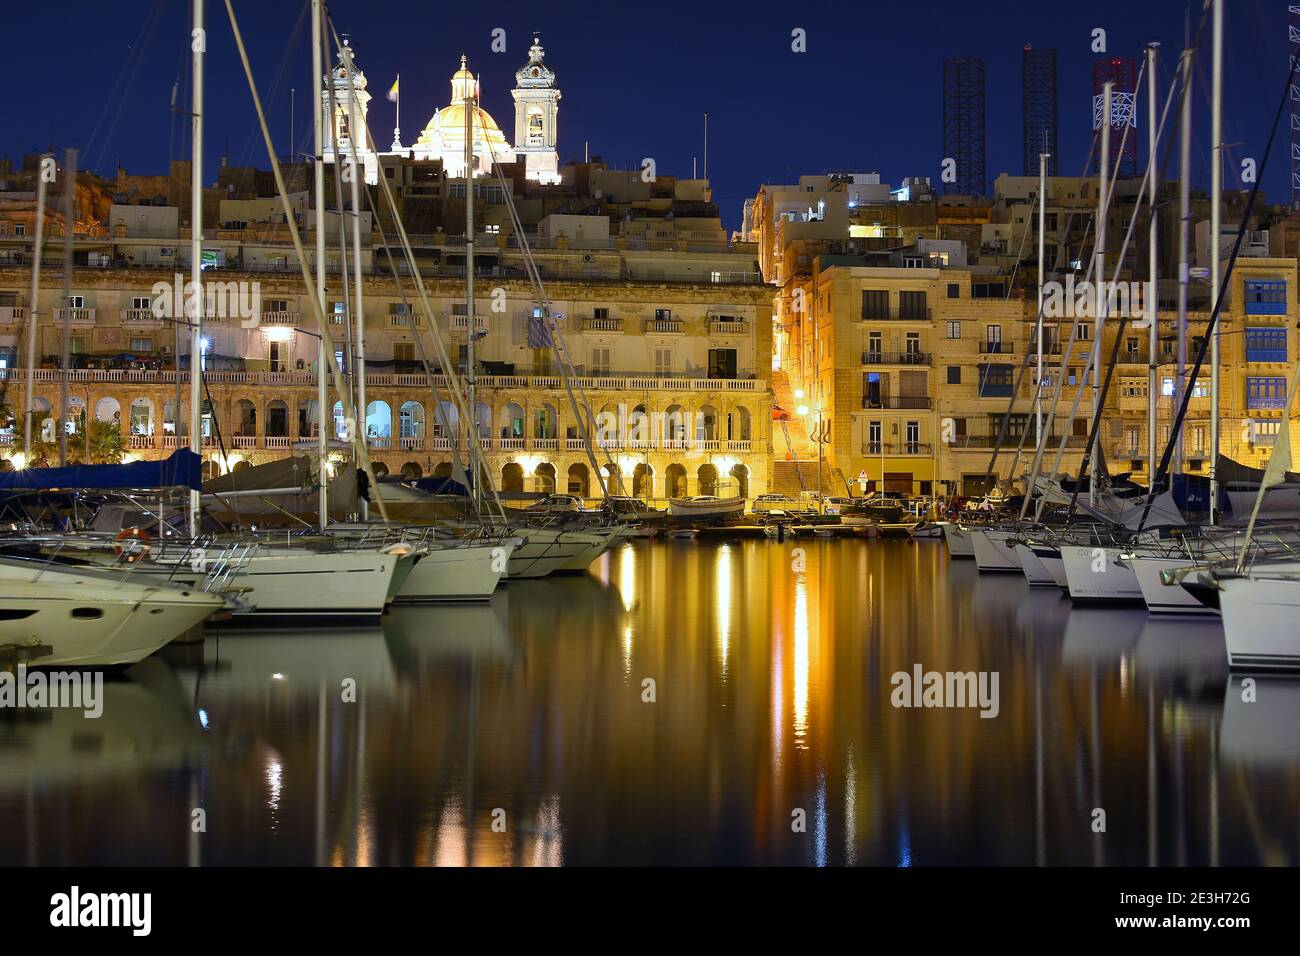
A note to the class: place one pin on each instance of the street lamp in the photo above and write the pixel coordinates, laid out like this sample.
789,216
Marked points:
803,411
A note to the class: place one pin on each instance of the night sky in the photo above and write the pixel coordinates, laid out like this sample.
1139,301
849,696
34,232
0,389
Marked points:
636,79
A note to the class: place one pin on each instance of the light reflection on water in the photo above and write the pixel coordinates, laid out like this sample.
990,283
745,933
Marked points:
516,733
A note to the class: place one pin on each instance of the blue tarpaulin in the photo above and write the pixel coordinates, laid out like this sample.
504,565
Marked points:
183,468
439,486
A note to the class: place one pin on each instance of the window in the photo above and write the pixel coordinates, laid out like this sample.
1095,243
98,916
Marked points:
911,305
912,346
541,362
404,351
76,302
1265,296
913,438
954,374
1198,439
954,330
338,312
1083,331
954,290
993,336
276,305
1264,431
663,315
1266,392
142,345
873,347
875,303
663,363
76,344
599,361
338,358
996,381
722,363
1266,345
873,439
1050,221
141,303
988,290
277,356
1201,391
600,313
20,229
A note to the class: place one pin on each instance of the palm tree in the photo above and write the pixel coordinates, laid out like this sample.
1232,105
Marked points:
103,443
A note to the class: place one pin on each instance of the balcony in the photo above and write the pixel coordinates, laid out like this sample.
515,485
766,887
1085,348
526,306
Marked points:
896,402
460,323
1133,356
664,326
897,448
75,316
12,313
139,317
593,324
280,318
997,348
405,321
897,315
243,441
728,327
875,357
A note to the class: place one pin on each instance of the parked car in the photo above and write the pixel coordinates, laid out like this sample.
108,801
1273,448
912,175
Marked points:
775,502
556,505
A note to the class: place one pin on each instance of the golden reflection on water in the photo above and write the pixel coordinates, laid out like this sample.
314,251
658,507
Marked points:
771,674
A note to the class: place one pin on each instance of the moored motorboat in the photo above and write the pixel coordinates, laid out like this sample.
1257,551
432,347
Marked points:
705,507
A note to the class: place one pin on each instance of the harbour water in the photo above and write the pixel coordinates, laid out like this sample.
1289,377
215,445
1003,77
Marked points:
521,733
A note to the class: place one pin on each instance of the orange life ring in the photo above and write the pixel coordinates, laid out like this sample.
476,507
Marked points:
138,549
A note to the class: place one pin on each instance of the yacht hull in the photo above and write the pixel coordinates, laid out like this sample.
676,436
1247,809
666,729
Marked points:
1095,575
1259,622
993,555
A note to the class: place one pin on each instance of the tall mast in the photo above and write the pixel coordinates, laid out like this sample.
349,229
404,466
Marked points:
1184,242
69,227
32,309
355,123
1099,278
1216,225
1042,265
471,103
323,414
1152,306
198,41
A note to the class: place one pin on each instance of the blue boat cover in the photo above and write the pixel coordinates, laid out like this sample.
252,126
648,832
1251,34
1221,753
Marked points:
183,468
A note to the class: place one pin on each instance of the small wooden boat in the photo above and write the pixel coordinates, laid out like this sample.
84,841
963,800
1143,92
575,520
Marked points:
705,507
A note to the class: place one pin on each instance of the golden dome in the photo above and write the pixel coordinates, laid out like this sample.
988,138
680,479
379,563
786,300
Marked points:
445,131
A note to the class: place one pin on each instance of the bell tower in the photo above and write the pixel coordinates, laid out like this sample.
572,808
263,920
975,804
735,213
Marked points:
536,107
345,123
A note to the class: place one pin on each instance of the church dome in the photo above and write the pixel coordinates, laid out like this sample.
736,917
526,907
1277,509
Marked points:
444,135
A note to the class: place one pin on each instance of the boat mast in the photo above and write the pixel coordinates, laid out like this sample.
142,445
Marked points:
1184,242
32,309
198,41
471,104
355,122
1042,256
1103,189
1216,225
69,226
1153,303
322,395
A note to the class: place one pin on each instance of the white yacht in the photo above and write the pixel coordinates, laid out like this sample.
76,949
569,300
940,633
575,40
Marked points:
993,551
92,617
1260,608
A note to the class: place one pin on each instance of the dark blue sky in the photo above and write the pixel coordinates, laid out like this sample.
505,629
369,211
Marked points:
636,78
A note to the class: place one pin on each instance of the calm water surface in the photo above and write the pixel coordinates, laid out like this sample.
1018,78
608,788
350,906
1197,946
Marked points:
772,697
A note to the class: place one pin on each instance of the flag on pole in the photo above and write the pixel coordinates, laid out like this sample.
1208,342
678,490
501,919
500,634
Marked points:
392,94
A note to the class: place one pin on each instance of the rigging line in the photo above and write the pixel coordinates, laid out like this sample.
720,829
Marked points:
363,453
475,446
1095,428
116,93
1024,365
283,67
1222,294
560,349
